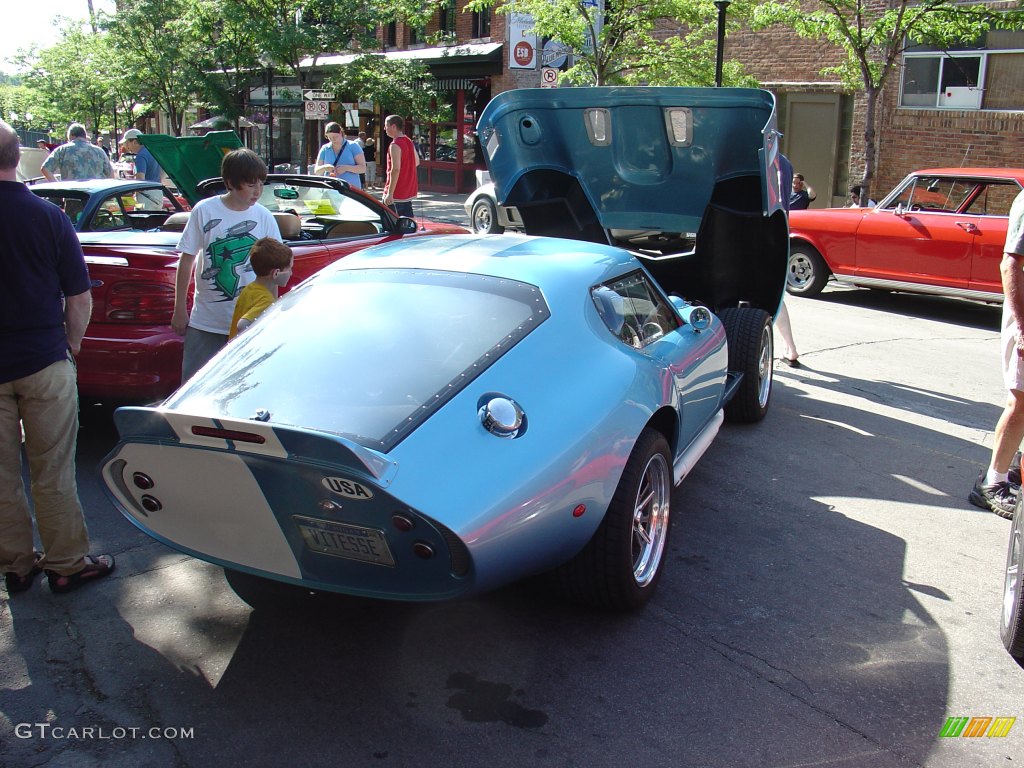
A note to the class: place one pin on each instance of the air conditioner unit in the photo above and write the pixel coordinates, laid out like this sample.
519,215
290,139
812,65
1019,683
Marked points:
960,97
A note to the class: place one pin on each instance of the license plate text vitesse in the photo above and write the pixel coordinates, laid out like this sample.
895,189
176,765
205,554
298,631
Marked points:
344,540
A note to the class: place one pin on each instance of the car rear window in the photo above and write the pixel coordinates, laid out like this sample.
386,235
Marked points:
994,199
71,202
366,354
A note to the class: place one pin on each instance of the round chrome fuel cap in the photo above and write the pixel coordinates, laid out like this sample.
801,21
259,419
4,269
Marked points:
501,416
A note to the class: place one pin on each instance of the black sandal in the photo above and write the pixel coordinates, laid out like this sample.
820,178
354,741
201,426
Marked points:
95,568
16,583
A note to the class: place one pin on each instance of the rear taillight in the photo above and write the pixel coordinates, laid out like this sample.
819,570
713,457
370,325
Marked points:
146,303
229,434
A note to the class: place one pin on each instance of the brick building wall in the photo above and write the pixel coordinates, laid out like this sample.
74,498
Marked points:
777,54
907,139
509,79
786,64
930,138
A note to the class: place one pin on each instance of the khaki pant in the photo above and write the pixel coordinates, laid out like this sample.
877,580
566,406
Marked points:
46,403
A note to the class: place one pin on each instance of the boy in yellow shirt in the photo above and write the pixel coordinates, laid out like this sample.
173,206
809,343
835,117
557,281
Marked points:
272,261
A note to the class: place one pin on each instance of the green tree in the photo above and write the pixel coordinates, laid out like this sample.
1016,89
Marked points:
633,44
294,34
228,55
155,41
873,36
77,77
403,86
24,107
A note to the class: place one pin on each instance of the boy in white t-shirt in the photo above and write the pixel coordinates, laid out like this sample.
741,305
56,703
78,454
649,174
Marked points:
215,248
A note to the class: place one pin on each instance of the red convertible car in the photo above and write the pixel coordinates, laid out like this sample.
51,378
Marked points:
941,231
130,352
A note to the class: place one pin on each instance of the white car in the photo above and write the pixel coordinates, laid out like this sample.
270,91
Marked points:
486,215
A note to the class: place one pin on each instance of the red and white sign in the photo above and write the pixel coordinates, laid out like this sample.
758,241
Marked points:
523,53
522,42
317,110
548,77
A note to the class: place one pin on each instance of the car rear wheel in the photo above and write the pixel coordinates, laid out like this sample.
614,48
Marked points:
621,564
485,218
1011,624
749,332
807,272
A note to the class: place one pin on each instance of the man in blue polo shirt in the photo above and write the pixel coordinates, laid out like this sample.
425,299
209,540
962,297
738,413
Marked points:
146,168
44,310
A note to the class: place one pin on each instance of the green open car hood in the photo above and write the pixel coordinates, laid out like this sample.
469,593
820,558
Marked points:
189,160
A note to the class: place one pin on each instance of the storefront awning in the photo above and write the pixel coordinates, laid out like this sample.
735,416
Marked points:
457,84
455,54
222,122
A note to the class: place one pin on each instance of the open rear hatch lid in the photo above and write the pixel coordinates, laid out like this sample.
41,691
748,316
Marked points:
692,172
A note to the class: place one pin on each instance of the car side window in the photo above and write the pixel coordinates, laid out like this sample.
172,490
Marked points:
994,199
147,200
633,310
72,205
935,194
109,215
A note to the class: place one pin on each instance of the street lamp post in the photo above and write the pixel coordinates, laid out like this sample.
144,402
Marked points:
269,64
721,5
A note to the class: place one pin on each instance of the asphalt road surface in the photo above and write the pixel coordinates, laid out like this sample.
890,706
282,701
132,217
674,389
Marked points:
830,599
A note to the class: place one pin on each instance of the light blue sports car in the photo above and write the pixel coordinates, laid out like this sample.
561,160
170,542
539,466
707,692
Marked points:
435,418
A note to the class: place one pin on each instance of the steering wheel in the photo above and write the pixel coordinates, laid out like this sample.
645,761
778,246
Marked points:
652,330
104,218
628,335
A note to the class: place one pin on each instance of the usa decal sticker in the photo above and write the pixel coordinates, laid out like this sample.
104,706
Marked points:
350,489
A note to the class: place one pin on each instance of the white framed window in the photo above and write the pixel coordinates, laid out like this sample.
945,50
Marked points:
984,74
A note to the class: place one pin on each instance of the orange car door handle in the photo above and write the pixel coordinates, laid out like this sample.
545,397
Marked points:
968,226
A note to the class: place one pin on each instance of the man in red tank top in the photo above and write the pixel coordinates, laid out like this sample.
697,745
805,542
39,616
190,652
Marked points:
402,184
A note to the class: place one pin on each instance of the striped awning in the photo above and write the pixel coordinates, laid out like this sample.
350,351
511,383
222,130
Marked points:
457,84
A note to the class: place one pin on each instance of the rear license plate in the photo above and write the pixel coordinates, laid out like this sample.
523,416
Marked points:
343,540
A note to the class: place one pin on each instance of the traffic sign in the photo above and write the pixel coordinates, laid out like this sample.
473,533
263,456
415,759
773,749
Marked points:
548,77
310,95
317,110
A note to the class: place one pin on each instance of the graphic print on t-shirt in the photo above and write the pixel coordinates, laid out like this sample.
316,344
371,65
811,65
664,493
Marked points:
227,257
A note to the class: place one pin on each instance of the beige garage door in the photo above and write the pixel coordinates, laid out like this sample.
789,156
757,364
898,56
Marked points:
812,131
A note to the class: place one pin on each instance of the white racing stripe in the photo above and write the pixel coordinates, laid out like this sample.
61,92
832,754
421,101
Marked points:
211,504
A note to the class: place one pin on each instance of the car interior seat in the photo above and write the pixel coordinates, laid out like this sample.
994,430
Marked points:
289,225
351,228
175,222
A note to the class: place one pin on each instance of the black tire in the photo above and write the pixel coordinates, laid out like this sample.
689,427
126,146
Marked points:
750,352
484,218
618,569
1011,623
807,273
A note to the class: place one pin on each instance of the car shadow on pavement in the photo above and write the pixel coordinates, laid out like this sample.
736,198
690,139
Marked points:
962,312
942,406
801,569
790,627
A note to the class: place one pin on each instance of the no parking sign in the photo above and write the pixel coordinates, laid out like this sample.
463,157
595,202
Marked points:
317,110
